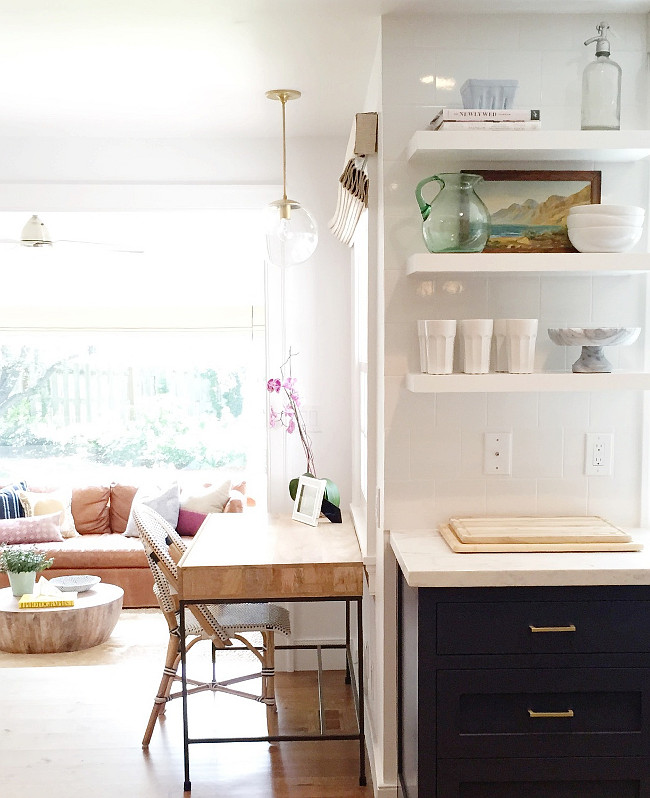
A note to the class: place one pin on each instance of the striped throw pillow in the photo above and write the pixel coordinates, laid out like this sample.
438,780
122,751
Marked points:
10,505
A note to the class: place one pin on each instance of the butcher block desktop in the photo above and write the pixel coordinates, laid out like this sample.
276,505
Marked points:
256,556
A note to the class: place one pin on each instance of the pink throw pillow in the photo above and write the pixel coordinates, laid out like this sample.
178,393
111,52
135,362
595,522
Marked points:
189,521
34,529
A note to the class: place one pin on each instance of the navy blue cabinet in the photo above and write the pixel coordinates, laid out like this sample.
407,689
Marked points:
539,692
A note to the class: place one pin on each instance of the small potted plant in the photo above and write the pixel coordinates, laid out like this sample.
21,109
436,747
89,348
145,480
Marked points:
22,565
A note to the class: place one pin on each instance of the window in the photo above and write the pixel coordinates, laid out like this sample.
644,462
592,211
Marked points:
114,362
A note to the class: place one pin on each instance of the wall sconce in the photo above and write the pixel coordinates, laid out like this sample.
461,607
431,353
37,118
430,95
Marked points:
291,232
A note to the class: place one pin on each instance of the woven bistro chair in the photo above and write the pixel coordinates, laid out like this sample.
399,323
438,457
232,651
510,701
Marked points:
220,623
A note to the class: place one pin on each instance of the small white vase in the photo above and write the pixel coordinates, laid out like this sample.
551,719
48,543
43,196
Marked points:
22,583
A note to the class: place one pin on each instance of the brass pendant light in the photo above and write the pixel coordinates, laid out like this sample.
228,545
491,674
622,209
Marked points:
291,231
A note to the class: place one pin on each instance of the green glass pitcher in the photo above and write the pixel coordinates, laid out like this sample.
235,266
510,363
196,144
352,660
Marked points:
456,220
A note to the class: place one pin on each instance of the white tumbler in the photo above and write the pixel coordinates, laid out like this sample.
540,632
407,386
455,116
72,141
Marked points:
477,341
500,345
521,337
440,336
422,339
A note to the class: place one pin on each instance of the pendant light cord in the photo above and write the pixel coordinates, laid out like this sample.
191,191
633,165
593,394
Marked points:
283,100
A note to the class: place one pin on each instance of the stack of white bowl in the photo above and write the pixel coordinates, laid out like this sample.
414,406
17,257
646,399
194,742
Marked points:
605,228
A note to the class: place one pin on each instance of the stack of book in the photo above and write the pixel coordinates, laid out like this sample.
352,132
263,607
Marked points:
46,595
486,119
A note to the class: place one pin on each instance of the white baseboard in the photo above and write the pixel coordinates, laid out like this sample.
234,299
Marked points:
380,789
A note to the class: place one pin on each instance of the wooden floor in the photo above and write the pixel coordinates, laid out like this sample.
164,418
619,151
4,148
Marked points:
71,726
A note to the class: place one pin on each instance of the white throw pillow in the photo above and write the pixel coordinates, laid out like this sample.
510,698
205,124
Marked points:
37,503
211,499
165,501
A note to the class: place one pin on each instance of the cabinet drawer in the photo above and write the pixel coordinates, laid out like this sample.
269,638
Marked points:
551,778
551,712
552,627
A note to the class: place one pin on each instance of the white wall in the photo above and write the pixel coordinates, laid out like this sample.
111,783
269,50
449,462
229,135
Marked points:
433,445
50,174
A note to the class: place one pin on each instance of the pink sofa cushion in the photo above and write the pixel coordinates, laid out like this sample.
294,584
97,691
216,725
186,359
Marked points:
35,529
189,521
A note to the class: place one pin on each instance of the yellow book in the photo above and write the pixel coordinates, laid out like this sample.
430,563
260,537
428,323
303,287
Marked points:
31,601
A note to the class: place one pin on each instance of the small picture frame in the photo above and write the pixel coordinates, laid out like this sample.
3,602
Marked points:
309,498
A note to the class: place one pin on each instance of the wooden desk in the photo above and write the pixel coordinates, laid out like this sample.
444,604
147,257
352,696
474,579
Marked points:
250,557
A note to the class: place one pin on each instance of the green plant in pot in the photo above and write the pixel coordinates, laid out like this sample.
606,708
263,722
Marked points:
21,566
290,417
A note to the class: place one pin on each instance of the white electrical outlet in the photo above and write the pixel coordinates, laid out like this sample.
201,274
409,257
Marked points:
498,453
599,450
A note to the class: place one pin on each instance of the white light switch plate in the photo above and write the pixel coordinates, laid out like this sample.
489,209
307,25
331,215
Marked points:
498,453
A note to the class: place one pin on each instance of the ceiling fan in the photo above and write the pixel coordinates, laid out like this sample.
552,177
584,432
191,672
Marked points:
36,234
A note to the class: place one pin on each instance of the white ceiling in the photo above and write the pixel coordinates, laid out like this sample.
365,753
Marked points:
200,68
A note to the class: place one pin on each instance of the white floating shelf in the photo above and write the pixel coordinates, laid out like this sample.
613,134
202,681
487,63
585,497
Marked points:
606,146
569,262
527,383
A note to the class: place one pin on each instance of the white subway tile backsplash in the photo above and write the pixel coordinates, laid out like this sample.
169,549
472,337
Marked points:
401,406
542,32
528,72
620,410
616,500
459,497
461,64
435,454
397,454
566,301
573,466
463,410
619,300
509,496
434,443
472,452
409,77
556,409
562,496
537,453
514,296
401,349
507,411
561,78
409,504
440,30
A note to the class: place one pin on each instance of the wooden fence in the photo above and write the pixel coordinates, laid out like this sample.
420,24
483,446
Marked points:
83,393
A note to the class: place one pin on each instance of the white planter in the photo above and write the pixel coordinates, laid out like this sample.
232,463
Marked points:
22,583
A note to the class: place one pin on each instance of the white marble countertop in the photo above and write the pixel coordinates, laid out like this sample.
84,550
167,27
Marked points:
427,561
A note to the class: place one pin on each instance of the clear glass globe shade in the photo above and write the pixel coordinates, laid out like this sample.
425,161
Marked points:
291,233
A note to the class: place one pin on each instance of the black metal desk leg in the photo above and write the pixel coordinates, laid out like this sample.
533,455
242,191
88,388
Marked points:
362,742
347,642
187,786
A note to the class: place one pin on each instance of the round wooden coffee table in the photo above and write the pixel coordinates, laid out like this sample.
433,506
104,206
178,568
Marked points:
49,630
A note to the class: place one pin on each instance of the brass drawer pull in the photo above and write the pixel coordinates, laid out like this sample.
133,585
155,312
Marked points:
570,628
567,714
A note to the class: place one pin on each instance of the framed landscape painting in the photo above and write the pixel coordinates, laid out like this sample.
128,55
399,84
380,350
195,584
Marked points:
528,209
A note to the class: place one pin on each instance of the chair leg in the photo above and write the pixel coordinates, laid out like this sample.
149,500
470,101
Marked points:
171,665
268,668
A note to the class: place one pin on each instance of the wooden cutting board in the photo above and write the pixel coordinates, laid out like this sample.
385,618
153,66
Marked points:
529,529
468,548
